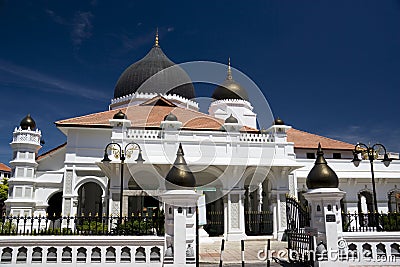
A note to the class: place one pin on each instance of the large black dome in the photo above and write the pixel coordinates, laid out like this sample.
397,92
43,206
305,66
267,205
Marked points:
165,81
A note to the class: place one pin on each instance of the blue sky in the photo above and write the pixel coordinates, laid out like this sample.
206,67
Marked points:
327,67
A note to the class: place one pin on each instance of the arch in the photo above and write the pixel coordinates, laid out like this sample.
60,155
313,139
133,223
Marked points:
353,251
90,199
367,206
395,250
125,254
37,255
54,209
6,256
381,250
394,200
96,255
110,254
367,250
155,255
140,255
88,179
81,255
52,254
22,255
66,255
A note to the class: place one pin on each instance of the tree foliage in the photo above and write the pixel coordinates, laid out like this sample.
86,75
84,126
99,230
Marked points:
4,190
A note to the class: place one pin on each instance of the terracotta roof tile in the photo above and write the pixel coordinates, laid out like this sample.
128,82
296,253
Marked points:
150,116
303,139
4,168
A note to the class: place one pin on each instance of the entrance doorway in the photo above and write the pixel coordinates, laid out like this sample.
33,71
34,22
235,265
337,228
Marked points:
89,199
55,206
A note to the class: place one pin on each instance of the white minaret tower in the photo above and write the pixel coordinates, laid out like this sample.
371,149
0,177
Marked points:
232,99
25,145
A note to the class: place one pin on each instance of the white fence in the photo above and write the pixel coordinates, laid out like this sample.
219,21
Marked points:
372,248
73,250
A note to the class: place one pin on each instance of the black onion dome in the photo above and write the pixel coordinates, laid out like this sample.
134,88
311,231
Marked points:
278,121
28,122
321,175
154,62
180,175
230,89
119,116
231,119
170,117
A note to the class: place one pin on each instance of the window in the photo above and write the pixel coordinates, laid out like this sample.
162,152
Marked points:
337,155
19,172
310,155
18,191
28,192
29,173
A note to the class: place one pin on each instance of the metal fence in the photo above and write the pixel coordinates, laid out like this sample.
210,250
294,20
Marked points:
136,224
371,222
259,222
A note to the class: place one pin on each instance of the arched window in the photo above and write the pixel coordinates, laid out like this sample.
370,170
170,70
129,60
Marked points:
81,255
395,250
96,255
110,254
394,201
140,255
126,254
66,255
52,254
155,254
22,255
37,255
6,256
367,251
381,250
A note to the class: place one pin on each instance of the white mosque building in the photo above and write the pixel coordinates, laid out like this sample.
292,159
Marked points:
241,170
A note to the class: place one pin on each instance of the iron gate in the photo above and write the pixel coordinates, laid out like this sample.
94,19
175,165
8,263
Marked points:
300,244
258,222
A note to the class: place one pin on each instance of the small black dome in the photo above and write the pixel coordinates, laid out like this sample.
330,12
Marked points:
119,116
170,117
174,80
231,119
278,121
180,175
321,175
28,122
230,89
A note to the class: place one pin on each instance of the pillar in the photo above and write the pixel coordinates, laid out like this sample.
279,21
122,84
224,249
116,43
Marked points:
235,226
180,227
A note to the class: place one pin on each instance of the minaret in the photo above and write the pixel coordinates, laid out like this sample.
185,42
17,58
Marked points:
25,146
230,98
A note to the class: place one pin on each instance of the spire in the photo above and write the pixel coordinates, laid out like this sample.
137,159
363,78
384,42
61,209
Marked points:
229,76
180,175
156,41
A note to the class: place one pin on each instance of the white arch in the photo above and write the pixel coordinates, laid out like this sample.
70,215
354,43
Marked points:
88,179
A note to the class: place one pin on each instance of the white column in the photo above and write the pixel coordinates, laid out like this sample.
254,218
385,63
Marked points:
235,215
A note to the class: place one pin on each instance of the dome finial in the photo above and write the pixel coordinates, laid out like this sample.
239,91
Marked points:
229,76
156,42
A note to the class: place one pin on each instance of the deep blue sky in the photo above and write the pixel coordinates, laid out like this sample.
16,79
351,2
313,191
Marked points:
327,67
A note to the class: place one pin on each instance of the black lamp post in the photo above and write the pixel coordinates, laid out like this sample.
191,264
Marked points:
122,155
372,152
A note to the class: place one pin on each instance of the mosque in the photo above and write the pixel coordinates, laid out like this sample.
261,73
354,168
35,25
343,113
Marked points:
118,160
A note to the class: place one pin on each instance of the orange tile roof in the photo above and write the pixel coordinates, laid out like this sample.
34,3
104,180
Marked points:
150,116
303,139
51,151
4,168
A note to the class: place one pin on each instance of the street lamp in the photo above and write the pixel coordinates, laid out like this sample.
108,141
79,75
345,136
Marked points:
122,155
372,152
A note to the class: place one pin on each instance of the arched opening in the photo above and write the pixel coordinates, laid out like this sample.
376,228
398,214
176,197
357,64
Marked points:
394,201
55,206
89,199
366,208
214,213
